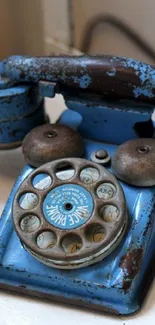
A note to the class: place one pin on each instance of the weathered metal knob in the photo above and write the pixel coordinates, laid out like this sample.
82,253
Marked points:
100,157
51,141
134,162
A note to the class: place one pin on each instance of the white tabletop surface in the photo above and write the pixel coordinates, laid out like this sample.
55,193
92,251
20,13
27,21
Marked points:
20,310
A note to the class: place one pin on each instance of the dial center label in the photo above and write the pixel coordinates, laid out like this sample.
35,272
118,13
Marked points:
68,206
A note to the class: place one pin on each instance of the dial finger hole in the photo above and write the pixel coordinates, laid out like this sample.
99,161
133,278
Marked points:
95,233
65,171
30,223
89,175
106,191
46,239
109,213
42,181
71,243
28,201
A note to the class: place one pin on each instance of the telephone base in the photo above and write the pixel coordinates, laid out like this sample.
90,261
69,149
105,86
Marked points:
116,285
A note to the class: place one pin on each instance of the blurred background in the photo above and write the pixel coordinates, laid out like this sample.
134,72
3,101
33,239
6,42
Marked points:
46,27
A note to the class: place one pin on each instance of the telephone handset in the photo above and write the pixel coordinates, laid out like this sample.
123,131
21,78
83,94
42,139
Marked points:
103,75
84,202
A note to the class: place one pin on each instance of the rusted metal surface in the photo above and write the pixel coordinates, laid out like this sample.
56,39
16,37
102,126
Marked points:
133,162
104,75
130,264
51,141
85,234
99,286
113,285
82,303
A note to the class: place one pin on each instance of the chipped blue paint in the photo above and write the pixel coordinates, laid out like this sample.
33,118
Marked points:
14,130
146,74
85,72
103,284
138,91
82,82
108,284
112,72
21,109
98,118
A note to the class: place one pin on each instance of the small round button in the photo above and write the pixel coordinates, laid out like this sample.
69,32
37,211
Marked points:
101,154
100,157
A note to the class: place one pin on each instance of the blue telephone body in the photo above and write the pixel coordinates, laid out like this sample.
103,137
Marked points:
118,284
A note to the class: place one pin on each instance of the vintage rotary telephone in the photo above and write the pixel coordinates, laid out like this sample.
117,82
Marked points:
78,226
